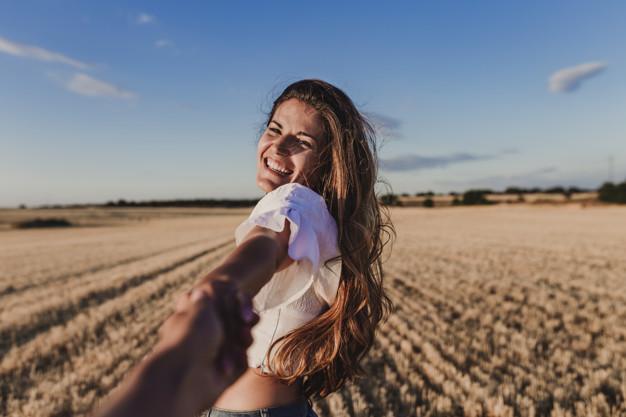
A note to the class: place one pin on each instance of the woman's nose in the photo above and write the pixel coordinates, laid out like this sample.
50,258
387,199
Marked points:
284,145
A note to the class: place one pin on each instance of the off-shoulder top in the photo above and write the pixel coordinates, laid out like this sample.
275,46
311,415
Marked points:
300,292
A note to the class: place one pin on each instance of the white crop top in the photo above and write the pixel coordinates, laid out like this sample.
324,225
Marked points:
300,292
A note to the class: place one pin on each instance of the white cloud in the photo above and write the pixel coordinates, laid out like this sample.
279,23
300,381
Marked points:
85,85
163,43
411,162
569,79
145,18
544,176
40,54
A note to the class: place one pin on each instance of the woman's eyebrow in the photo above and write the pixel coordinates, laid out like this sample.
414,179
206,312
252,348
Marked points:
299,133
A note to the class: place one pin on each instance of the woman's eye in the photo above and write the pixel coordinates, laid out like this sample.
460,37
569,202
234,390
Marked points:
304,143
274,130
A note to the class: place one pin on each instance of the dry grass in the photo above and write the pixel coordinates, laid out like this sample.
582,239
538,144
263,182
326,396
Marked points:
499,311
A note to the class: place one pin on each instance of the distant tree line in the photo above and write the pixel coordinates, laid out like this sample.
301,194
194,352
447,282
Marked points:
211,202
567,191
613,193
479,196
608,192
195,203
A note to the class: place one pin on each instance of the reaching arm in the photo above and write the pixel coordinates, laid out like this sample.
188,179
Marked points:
251,265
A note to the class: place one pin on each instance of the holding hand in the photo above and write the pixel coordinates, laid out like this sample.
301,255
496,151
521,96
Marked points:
201,351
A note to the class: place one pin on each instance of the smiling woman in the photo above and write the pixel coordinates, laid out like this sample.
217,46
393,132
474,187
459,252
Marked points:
289,148
309,254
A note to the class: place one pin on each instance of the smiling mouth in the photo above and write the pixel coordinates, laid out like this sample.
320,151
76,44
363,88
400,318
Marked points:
273,166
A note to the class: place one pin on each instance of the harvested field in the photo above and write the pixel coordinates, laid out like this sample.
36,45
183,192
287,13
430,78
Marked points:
499,311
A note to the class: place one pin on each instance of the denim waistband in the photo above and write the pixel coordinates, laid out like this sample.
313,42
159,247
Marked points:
299,409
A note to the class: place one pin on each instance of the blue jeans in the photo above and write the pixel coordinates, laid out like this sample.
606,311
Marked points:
299,409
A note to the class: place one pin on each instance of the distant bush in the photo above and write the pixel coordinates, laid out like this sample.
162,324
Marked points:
476,197
456,201
555,190
42,223
613,193
573,190
514,190
389,199
428,202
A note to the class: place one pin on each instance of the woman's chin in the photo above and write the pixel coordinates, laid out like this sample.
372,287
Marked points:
267,185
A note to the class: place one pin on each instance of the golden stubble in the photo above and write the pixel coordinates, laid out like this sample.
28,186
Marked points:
499,311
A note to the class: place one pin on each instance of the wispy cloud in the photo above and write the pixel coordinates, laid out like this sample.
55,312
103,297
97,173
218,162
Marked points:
420,162
516,178
569,79
539,177
85,85
40,54
386,126
163,43
145,18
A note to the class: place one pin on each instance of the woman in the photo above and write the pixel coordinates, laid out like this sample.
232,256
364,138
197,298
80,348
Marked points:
309,254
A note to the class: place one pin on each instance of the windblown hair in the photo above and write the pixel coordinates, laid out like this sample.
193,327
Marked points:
326,352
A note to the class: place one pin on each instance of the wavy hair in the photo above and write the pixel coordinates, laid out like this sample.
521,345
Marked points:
326,352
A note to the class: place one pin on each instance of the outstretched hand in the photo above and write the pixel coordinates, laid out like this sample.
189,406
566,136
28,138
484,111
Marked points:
210,332
200,352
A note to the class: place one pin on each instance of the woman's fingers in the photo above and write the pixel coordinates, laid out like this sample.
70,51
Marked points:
212,323
232,362
232,303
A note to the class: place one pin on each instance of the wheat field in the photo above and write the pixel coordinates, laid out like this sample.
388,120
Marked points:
498,311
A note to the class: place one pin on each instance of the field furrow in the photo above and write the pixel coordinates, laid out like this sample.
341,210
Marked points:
99,330
18,284
29,315
41,258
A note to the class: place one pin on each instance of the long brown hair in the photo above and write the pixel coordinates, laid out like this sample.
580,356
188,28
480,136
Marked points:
326,352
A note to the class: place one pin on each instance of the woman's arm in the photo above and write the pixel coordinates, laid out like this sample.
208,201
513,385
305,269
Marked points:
251,265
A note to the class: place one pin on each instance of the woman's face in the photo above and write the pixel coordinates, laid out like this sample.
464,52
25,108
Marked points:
289,147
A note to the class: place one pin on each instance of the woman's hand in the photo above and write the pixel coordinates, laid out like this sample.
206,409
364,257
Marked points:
211,351
200,352
222,342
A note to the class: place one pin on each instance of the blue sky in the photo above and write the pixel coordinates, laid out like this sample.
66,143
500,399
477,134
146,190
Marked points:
156,100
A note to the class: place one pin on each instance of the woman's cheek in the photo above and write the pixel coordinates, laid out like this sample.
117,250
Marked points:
262,147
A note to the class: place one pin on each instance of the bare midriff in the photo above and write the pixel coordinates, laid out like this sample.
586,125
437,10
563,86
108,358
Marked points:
254,390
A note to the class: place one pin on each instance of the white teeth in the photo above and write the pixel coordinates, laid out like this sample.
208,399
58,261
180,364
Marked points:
275,167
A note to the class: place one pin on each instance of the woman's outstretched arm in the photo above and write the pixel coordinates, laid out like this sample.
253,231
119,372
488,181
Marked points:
262,253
